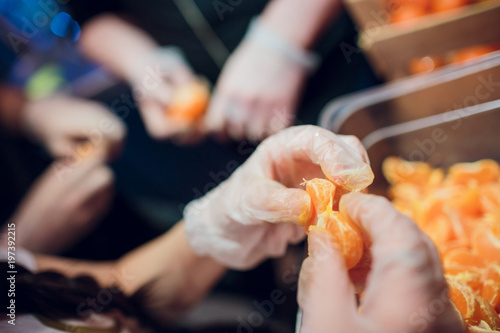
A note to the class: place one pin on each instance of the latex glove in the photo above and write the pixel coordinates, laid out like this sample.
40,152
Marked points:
240,223
62,124
406,289
153,82
258,90
57,211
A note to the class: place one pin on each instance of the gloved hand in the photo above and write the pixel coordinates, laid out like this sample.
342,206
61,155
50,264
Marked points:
62,124
259,87
153,82
406,289
239,223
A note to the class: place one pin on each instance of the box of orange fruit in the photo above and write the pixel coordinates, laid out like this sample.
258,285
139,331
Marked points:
404,37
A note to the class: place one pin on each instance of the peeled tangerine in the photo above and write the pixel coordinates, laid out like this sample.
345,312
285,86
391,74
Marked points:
345,234
461,214
189,102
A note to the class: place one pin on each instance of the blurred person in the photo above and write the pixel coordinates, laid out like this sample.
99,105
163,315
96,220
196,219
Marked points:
69,198
252,216
266,63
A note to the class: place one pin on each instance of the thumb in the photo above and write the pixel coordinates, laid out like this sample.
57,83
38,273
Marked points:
325,293
270,201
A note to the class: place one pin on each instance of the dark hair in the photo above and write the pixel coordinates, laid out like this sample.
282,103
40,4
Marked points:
55,296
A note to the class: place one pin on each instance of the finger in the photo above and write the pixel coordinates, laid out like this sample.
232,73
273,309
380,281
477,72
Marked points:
325,294
237,113
278,236
256,126
182,75
215,116
113,136
161,94
340,162
62,147
157,123
270,201
403,267
354,142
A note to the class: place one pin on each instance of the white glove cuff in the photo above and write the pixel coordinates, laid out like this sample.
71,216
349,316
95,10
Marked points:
259,33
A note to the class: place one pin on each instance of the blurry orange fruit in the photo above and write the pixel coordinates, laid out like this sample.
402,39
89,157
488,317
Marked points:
464,299
425,64
486,242
471,53
462,257
445,5
189,102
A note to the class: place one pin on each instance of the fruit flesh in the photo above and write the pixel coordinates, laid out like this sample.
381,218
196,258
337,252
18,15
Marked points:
344,233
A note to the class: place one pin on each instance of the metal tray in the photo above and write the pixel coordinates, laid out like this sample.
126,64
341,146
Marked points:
423,119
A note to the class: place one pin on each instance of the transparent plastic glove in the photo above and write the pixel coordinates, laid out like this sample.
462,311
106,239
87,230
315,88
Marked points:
240,223
62,124
153,82
406,289
259,87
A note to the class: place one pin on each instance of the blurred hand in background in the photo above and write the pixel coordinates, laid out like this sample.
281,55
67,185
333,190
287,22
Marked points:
256,94
153,72
262,82
74,128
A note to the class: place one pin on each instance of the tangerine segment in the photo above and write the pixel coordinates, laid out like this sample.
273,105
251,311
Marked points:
483,172
486,243
471,279
463,257
471,52
321,192
439,230
488,314
445,5
346,235
482,327
465,301
407,13
397,170
492,273
491,292
457,270
189,102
